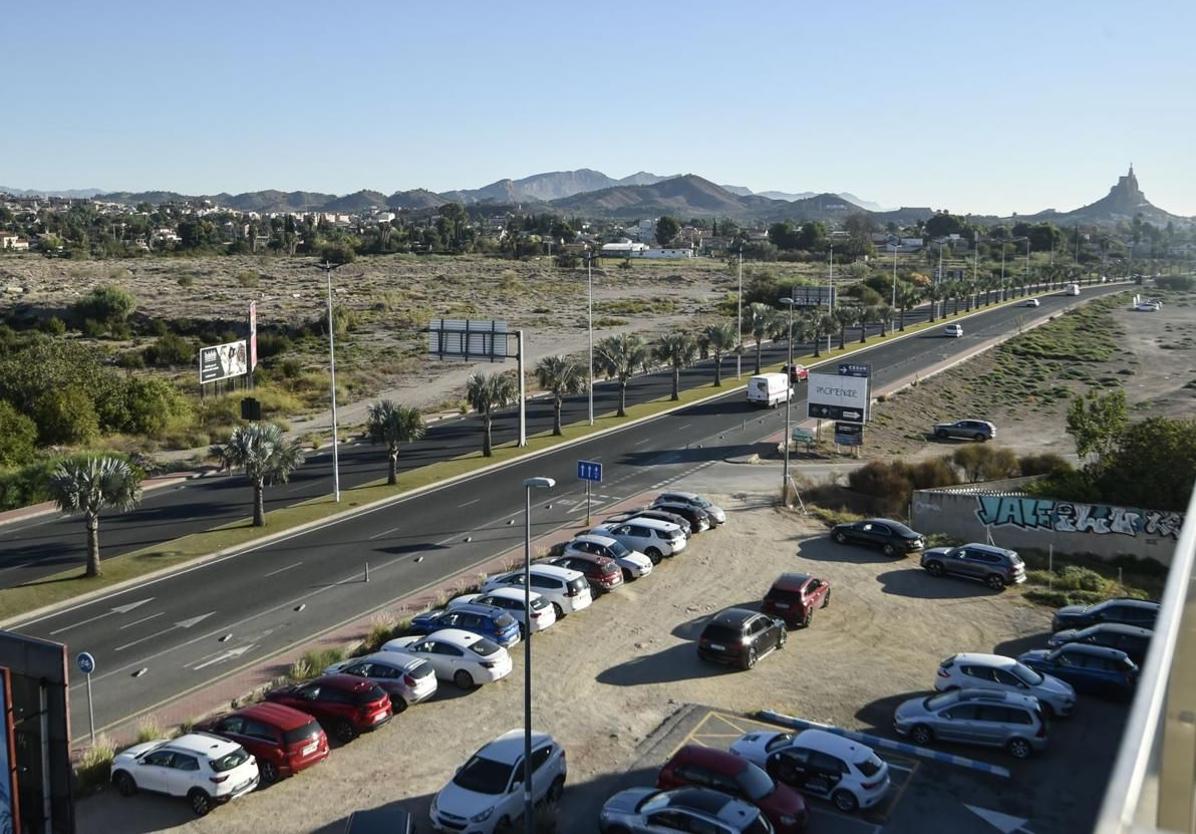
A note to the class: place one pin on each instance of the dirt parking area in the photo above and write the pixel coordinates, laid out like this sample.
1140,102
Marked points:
608,679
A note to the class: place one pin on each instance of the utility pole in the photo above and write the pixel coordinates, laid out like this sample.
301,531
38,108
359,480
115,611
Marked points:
590,324
336,472
830,288
739,319
893,304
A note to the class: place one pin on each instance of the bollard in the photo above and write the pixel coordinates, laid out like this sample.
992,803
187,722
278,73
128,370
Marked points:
367,571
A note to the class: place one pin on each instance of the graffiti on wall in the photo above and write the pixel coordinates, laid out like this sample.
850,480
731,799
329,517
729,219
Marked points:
1069,517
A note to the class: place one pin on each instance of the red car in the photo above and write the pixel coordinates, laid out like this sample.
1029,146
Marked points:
797,373
794,596
283,740
346,705
706,767
602,572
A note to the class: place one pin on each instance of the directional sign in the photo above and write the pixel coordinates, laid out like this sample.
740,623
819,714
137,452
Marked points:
86,663
801,435
589,470
835,412
853,369
842,397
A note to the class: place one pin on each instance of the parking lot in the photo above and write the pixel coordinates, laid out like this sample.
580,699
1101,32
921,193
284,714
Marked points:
616,684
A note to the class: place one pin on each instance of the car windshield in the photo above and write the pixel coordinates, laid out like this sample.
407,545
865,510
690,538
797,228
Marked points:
482,775
484,647
902,530
937,701
1026,675
367,695
870,766
229,760
779,740
620,549
702,502
756,783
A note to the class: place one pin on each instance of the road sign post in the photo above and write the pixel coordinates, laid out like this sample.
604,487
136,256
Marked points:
589,471
87,665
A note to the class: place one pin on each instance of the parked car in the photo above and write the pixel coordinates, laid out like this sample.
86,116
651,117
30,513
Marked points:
794,596
407,680
281,739
655,539
482,620
463,657
603,573
632,563
384,820
972,670
206,769
345,705
510,599
696,523
693,500
699,520
740,636
1134,612
892,537
648,811
980,430
486,794
955,331
975,716
1032,302
996,567
1132,640
1097,670
846,772
567,591
697,766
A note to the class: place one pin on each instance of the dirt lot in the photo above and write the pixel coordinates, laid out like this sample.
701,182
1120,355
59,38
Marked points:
610,676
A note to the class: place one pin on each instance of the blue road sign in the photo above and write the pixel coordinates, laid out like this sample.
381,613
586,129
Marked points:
86,663
854,369
589,470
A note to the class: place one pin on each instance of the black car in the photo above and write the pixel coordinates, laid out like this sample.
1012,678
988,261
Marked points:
892,537
1135,612
698,518
384,820
687,526
740,636
1132,640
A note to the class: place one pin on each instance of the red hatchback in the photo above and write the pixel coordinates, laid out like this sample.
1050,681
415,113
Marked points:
602,572
283,740
705,767
794,596
346,705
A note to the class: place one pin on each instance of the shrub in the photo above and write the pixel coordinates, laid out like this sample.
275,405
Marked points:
1176,282
148,730
889,484
186,280
313,663
25,486
170,350
153,407
248,279
1076,578
1046,463
18,435
986,463
105,305
65,416
94,769
54,326
131,360
937,472
271,344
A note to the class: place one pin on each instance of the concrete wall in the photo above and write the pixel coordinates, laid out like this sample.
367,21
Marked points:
1018,521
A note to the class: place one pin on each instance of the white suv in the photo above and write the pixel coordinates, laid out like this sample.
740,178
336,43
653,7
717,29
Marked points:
653,538
973,670
634,564
510,599
567,590
207,769
486,794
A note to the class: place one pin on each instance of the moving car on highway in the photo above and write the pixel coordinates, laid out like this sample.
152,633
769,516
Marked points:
954,331
740,636
406,680
975,716
634,564
648,811
494,623
980,430
567,591
1132,640
344,705
892,537
694,500
206,769
510,599
996,567
769,390
1093,669
794,596
1032,302
463,657
1134,612
281,739
973,670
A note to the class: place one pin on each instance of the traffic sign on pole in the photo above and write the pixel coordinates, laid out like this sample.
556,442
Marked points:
589,470
87,665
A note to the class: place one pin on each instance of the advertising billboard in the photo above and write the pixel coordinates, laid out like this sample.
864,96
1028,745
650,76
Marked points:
10,813
849,434
835,397
252,335
223,361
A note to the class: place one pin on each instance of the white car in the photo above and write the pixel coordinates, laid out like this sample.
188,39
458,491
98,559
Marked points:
465,658
955,331
207,769
846,772
407,680
974,670
655,539
486,793
567,590
510,600
635,565
1032,302
694,500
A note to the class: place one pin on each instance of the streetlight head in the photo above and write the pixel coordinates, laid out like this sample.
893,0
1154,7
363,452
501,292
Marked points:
539,483
788,301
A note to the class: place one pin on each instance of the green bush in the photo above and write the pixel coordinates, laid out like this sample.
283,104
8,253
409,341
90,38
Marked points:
986,463
18,436
105,306
153,407
94,769
936,472
889,484
54,326
66,416
132,360
1076,578
272,344
1046,463
313,663
1176,282
170,351
248,279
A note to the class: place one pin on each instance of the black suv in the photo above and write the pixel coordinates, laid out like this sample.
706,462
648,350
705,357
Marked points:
996,567
740,636
892,537
966,430
698,518
1135,612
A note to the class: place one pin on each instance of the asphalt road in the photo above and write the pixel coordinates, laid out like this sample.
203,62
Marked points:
199,624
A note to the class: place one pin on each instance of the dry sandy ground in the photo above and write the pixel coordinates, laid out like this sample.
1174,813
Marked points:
609,676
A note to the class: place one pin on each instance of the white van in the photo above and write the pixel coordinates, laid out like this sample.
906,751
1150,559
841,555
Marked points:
1071,289
769,389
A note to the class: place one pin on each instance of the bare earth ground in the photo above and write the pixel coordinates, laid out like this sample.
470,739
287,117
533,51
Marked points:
609,676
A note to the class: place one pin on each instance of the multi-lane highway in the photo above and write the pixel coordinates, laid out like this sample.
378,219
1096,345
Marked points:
199,624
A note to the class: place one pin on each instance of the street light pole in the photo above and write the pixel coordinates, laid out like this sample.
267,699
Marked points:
590,323
893,304
739,320
788,302
830,288
336,472
528,808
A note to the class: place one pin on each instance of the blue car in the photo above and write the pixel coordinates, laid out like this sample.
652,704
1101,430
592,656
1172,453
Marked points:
486,620
1097,670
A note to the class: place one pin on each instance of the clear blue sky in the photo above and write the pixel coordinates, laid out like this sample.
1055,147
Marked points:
942,104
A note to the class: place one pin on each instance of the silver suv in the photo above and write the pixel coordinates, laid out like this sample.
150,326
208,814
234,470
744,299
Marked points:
975,716
996,567
966,430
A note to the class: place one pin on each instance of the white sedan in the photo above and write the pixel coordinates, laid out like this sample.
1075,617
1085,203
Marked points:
1033,302
465,658
511,600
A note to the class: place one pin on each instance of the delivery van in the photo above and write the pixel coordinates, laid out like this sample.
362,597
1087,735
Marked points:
769,389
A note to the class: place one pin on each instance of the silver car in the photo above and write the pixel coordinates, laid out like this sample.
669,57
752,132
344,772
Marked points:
647,810
975,716
973,670
693,500
406,680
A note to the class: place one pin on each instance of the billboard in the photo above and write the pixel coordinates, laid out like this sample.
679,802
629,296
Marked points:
849,434
835,397
810,296
223,361
10,812
469,339
252,335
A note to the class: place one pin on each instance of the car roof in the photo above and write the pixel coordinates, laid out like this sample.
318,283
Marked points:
472,608
203,744
350,683
508,748
1135,603
457,636
997,661
276,715
1089,649
1117,628
972,696
556,571
791,581
595,538
688,496
723,761
654,523
707,801
393,659
990,548
834,744
734,616
507,592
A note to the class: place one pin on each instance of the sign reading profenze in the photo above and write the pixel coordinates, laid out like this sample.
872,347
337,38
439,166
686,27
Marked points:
223,361
835,397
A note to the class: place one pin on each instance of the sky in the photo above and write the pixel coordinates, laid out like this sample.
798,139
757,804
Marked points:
947,105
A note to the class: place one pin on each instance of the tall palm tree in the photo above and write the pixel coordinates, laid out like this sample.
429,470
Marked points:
720,338
844,317
92,484
934,294
907,299
486,394
619,357
677,350
761,323
560,376
864,316
265,455
884,314
822,324
392,424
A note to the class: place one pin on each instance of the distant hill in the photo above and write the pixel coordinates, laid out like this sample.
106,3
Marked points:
73,194
415,199
554,185
1124,201
644,178
358,201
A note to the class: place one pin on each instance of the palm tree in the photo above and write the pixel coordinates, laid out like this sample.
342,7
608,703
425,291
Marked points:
934,293
844,317
265,455
392,424
619,357
884,313
560,376
720,338
761,322
907,299
864,316
485,394
89,485
677,350
822,324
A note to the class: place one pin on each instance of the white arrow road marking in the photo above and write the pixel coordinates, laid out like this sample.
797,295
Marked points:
1004,823
280,570
223,656
119,609
142,620
180,624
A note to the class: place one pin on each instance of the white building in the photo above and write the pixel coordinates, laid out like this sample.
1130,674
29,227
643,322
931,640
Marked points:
622,249
662,253
13,242
645,231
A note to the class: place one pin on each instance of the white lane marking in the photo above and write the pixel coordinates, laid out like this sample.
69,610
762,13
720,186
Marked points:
686,426
468,503
280,570
180,624
142,620
384,533
642,442
119,609
223,656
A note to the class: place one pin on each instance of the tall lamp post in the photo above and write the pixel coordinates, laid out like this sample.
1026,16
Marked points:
590,323
893,304
528,809
336,472
739,319
788,302
830,287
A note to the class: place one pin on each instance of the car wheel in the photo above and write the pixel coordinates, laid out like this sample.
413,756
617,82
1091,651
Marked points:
826,600
809,618
560,612
889,550
934,568
941,434
841,538
125,785
398,704
782,636
554,792
749,660
996,582
627,576
921,734
653,554
201,803
463,679
981,437
1019,748
268,771
845,801
344,731
503,826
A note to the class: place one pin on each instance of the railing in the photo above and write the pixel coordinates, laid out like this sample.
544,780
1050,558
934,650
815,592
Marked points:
1153,784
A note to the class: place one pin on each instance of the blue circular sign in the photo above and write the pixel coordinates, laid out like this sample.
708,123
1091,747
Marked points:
86,663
